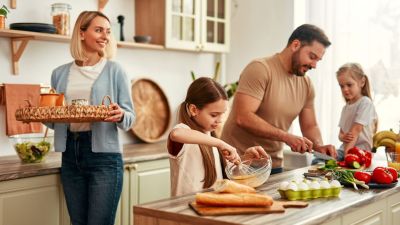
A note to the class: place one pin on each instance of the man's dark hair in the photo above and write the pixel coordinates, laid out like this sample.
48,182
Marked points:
307,33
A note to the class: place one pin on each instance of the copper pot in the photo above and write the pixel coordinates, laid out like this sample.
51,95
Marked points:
52,99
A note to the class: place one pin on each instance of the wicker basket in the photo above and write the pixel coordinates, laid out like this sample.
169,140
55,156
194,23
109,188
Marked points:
65,114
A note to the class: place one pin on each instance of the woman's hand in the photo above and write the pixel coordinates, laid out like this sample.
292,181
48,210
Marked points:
117,114
229,152
255,152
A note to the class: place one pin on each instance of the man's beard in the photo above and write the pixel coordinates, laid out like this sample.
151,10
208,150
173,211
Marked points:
296,66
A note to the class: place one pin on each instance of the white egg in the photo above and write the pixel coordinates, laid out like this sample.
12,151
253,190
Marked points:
298,180
284,185
308,182
315,185
303,186
292,186
335,184
325,184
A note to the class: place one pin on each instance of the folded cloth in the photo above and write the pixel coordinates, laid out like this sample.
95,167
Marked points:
15,96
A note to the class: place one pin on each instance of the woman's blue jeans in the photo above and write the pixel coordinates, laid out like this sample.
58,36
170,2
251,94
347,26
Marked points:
92,181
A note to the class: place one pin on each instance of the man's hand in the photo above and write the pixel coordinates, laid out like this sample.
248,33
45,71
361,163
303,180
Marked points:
298,144
327,150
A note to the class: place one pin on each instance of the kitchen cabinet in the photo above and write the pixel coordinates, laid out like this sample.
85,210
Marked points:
34,200
143,182
195,25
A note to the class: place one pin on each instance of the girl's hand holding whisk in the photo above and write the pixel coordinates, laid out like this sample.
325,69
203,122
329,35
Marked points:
229,152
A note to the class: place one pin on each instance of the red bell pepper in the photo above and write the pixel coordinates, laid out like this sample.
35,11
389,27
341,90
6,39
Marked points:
359,152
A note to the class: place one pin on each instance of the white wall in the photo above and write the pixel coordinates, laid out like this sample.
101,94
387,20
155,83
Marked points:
259,28
170,69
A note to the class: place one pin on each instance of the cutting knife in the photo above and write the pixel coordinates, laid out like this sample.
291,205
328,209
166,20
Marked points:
322,156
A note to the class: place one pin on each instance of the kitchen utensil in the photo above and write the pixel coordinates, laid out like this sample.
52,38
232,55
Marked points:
152,110
322,156
142,38
121,19
251,172
277,207
49,99
34,27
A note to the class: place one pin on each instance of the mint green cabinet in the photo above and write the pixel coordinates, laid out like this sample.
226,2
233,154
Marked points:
34,200
143,182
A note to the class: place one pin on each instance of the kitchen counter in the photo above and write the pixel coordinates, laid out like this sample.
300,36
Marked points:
175,211
12,168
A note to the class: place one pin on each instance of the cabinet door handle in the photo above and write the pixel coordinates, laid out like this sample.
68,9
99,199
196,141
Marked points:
132,166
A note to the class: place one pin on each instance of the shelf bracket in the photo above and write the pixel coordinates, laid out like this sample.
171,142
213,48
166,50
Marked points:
102,4
17,48
13,4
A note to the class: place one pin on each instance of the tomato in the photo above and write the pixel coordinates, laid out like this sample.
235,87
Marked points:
368,158
358,152
394,173
342,163
382,175
362,176
352,161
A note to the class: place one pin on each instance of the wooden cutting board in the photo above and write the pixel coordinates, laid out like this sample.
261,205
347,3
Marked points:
277,207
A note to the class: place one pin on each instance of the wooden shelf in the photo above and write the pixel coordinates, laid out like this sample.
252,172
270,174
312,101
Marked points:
19,40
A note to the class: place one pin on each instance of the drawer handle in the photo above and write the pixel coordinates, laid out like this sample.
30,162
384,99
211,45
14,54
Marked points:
132,166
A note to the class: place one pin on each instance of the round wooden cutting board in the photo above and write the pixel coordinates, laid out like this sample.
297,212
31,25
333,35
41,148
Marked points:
152,109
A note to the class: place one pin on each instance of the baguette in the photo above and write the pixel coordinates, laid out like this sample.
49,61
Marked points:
228,186
236,199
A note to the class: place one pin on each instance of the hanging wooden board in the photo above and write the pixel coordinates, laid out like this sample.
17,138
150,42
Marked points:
152,109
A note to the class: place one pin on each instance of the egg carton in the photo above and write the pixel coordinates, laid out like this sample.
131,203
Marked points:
310,194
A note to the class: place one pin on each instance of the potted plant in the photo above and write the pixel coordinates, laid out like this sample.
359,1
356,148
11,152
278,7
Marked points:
3,15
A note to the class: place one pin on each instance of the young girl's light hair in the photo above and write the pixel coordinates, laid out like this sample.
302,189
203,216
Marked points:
78,52
356,72
201,92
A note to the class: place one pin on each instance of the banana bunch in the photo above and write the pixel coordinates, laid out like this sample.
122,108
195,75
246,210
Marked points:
385,138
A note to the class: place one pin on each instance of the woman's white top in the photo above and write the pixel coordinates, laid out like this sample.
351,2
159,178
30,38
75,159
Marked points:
187,169
79,86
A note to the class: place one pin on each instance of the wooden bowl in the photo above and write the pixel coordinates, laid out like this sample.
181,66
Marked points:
153,114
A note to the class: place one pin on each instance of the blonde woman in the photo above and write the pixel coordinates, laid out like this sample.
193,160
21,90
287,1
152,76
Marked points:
92,166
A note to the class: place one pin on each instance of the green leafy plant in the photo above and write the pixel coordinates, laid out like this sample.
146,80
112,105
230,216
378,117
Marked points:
230,88
4,11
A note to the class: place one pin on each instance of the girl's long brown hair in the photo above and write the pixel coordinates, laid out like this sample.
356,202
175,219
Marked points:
356,72
201,92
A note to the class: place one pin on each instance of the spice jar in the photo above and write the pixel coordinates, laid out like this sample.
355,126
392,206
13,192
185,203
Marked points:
61,17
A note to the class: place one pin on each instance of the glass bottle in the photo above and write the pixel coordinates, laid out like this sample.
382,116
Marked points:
61,17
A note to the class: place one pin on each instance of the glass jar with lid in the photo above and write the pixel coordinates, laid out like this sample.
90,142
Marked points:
61,17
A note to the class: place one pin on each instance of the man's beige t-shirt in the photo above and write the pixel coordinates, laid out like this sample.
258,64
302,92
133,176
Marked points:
283,96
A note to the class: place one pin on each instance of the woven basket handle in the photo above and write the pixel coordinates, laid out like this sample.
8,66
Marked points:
104,98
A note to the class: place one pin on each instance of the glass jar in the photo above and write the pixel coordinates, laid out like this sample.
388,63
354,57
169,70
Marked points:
61,17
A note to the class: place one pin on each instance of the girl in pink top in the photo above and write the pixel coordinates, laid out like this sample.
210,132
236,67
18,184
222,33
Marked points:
195,152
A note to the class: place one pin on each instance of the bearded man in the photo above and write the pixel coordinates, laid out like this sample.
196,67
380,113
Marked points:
272,92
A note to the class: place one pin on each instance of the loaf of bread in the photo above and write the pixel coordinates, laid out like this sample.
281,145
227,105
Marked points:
234,199
228,186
